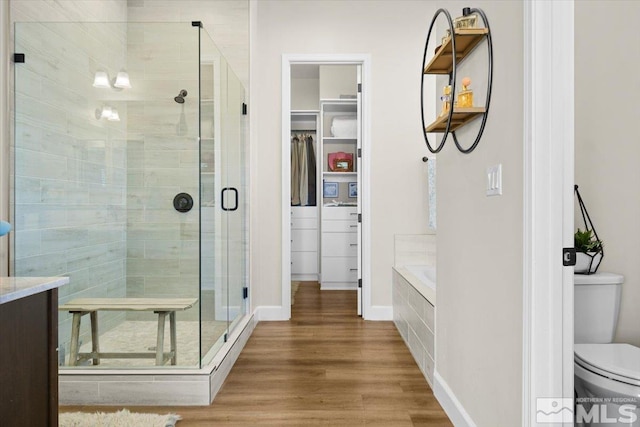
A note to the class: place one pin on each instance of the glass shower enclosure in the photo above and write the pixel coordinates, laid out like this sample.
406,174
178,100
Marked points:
129,176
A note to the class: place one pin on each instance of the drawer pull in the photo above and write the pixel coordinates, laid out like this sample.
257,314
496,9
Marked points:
353,226
353,244
353,269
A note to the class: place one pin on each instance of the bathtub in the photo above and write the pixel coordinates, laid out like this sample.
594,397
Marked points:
422,278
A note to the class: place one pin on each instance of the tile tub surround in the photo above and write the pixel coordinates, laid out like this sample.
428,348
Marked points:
13,288
414,249
414,316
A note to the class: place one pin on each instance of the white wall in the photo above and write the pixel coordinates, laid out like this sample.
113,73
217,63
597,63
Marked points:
479,240
393,33
607,149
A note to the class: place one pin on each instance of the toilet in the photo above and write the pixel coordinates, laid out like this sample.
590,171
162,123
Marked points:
606,374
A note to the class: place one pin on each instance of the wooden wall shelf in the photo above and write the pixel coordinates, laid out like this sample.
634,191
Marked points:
466,41
460,117
445,61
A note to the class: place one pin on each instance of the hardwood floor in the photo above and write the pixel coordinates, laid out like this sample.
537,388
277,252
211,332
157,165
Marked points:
326,366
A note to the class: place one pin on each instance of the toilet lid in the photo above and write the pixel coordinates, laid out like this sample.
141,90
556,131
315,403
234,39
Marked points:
598,279
620,362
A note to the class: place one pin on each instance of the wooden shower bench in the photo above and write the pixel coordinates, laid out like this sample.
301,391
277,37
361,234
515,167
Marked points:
161,306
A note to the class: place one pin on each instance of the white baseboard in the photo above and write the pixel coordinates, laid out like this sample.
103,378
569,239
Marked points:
451,405
269,313
379,312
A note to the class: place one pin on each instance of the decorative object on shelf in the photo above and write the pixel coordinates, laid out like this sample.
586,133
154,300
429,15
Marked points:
342,165
446,100
340,162
330,189
5,228
589,247
353,190
464,37
465,21
465,97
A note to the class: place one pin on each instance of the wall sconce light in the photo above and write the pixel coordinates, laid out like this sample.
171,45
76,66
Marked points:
101,80
122,80
107,112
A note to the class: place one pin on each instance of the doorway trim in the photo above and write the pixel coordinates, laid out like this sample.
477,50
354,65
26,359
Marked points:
365,193
548,204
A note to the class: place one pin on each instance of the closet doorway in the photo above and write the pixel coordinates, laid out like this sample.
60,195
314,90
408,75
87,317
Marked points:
325,175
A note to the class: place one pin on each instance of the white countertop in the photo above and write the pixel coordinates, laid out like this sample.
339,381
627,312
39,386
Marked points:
13,288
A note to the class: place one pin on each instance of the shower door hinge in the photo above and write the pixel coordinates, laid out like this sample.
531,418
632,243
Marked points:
196,24
244,109
568,257
18,58
359,87
359,283
359,217
359,152
245,293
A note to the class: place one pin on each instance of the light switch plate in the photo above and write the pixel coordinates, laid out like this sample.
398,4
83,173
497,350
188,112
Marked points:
494,180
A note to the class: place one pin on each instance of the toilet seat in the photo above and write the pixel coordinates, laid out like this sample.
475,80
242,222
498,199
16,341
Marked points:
619,362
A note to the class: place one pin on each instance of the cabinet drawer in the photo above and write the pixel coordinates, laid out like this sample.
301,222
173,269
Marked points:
304,212
304,240
304,223
342,226
340,244
304,262
340,212
339,269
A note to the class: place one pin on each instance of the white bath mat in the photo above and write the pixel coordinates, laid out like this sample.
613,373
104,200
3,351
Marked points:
121,418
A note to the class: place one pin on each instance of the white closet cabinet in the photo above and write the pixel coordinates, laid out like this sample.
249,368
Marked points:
339,247
339,214
304,243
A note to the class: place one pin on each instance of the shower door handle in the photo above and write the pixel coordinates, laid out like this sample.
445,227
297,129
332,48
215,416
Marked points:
235,196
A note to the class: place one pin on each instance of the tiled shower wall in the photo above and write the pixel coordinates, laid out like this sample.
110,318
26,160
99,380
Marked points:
163,160
70,169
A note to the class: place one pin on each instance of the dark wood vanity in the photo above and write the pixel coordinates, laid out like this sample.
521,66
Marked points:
28,351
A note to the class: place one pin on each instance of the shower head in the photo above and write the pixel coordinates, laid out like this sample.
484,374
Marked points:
180,98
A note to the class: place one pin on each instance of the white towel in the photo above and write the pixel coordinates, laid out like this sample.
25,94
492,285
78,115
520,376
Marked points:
344,127
431,184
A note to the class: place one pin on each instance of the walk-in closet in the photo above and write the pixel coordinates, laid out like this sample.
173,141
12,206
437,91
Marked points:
325,175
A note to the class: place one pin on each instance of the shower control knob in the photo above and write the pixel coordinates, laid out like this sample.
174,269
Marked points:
183,202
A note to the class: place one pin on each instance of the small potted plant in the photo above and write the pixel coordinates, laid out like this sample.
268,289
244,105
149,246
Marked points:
588,251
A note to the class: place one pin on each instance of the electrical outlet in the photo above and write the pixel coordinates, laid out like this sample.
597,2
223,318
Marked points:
494,180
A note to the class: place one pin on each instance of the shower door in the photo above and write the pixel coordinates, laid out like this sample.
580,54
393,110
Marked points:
223,192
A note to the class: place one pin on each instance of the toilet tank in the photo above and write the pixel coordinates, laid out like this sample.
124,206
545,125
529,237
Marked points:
596,307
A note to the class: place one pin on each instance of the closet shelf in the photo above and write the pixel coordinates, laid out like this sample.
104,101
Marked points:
466,41
338,139
460,117
339,173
